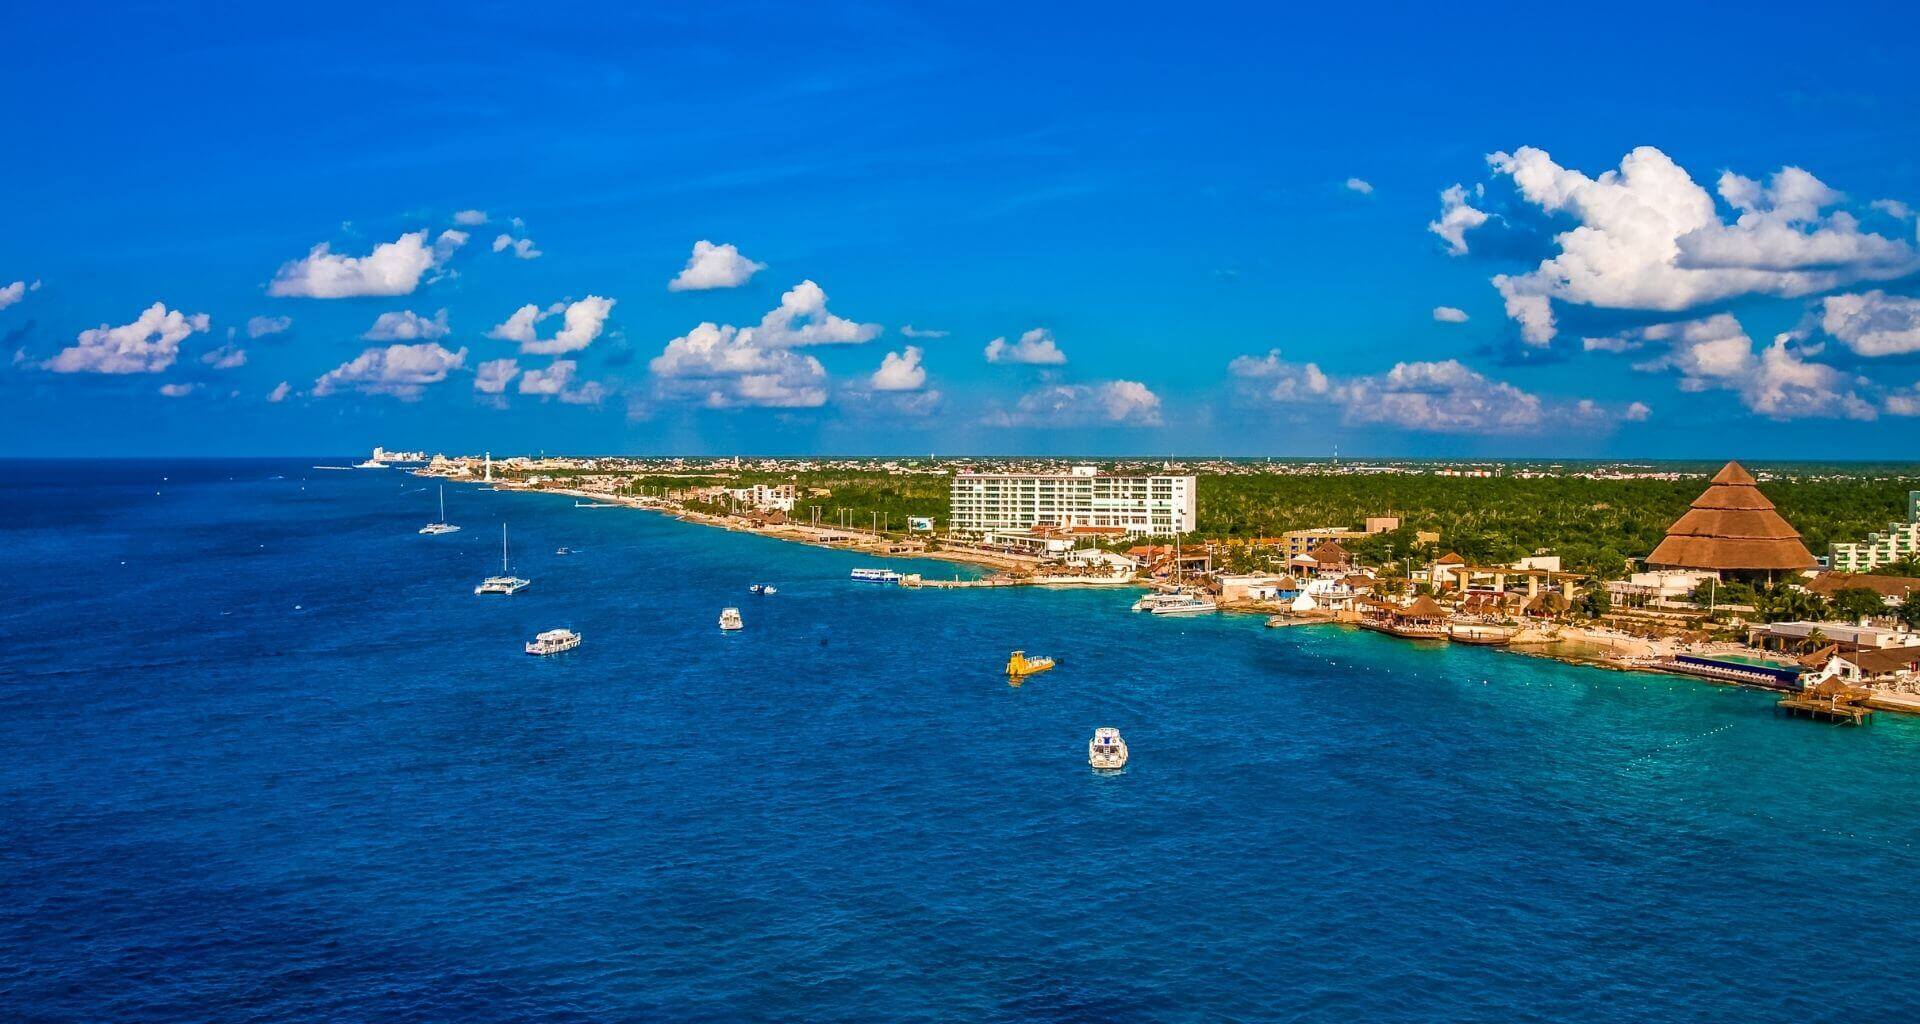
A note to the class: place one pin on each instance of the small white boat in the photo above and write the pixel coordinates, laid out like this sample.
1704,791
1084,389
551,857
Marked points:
370,464
730,619
1177,603
1107,750
762,588
554,641
874,576
442,526
506,582
596,504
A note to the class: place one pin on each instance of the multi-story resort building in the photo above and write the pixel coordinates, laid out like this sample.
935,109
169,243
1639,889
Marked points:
1081,496
1901,541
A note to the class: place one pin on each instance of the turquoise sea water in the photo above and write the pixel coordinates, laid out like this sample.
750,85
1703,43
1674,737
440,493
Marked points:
268,758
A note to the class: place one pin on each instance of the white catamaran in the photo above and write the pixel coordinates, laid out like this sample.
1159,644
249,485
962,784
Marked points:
442,526
506,582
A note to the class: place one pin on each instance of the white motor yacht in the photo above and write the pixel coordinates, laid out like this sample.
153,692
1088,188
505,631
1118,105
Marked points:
1177,603
1106,749
442,526
506,582
730,619
554,641
875,575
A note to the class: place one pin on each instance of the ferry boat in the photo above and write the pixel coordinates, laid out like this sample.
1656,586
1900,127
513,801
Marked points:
875,575
506,582
730,619
1107,750
1020,666
554,641
1178,603
762,588
442,526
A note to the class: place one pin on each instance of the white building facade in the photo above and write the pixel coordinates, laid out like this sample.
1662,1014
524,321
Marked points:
1900,541
1144,506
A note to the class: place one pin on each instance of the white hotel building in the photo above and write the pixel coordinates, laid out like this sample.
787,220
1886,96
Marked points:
1082,496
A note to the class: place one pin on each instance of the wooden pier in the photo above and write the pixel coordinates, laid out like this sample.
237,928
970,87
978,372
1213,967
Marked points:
1829,701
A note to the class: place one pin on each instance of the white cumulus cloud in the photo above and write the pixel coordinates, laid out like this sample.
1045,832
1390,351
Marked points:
179,390
12,293
149,344
1457,217
1118,403
399,370
557,381
1650,238
915,332
1449,315
581,323
493,376
1780,381
723,366
280,392
1438,397
1036,348
470,218
392,268
226,357
1873,323
406,325
520,247
714,266
900,371
262,326
1360,185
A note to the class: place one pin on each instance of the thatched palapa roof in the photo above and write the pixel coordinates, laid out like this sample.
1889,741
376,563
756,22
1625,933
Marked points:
1732,526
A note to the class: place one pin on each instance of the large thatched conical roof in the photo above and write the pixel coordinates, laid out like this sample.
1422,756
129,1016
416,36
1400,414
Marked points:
1732,526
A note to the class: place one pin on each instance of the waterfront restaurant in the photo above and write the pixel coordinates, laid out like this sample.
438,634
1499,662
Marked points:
1732,529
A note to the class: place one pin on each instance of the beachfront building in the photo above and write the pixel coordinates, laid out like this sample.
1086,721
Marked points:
778,497
1140,506
1664,588
1733,530
1901,541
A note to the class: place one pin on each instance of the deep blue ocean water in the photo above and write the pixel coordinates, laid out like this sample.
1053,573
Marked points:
265,757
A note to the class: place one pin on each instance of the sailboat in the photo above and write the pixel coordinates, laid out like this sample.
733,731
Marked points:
506,582
442,526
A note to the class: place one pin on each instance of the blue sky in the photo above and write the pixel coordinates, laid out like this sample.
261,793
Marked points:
1193,230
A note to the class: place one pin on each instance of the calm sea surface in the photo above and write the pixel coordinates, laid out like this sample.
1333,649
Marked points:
264,756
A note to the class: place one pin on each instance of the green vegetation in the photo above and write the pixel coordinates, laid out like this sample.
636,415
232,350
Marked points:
1597,526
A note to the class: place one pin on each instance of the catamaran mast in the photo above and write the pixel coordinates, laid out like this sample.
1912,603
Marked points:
503,549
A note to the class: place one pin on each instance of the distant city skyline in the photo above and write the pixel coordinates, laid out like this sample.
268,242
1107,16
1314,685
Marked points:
872,230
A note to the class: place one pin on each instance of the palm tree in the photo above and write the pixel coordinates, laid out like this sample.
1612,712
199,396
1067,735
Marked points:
1814,641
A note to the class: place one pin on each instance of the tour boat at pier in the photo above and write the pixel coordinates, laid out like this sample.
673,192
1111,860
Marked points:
730,619
442,526
506,582
1020,666
875,575
554,641
1479,634
1178,603
1107,750
762,588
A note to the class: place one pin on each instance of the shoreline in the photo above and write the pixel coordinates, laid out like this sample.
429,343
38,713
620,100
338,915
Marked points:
1568,644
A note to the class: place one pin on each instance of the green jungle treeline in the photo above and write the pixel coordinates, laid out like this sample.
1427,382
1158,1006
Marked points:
1596,526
